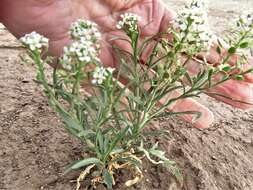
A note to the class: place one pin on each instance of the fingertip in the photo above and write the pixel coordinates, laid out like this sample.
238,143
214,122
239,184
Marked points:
206,118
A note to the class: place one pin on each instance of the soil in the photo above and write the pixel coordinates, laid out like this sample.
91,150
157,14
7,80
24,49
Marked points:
34,149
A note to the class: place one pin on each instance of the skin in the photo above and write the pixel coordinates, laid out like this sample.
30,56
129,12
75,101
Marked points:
52,18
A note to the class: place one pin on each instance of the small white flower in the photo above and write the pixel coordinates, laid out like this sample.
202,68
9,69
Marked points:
85,46
81,50
246,21
110,70
85,29
182,26
194,19
34,41
129,22
100,73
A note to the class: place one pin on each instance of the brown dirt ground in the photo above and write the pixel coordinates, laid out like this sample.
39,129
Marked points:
34,149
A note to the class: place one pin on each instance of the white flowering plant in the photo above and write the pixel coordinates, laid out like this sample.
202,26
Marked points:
110,115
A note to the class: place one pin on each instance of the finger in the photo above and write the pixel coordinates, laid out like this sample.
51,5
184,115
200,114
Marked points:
215,58
189,104
238,93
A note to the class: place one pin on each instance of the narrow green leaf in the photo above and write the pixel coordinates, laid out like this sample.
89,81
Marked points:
82,163
239,77
171,165
210,75
188,77
195,113
118,137
220,43
106,144
71,124
218,50
174,170
227,97
232,50
226,68
86,133
157,133
244,45
108,179
100,141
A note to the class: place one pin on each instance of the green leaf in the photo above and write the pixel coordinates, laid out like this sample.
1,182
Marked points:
239,77
174,170
189,79
171,165
158,153
218,50
118,137
190,21
82,163
225,77
196,114
226,68
106,144
108,179
178,47
71,124
247,71
232,50
86,133
220,43
157,133
100,141
210,75
227,97
137,100
244,45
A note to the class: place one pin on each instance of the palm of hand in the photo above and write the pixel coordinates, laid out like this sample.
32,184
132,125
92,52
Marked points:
53,18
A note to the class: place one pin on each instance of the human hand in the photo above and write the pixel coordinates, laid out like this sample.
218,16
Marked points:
53,18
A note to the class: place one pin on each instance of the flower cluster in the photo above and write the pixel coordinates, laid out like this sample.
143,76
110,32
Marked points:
85,29
82,50
100,74
193,25
85,45
246,22
128,22
34,41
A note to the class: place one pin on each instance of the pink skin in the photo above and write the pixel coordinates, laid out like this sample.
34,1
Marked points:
52,18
